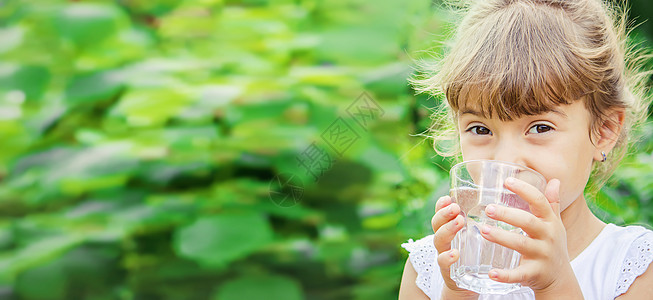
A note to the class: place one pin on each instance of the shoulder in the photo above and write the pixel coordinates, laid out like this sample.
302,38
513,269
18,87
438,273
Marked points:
635,278
408,288
421,269
616,241
420,251
422,255
641,287
626,234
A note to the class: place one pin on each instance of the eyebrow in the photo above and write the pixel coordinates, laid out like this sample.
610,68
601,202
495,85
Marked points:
478,114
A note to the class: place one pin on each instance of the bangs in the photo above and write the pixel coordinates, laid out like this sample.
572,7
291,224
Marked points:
515,63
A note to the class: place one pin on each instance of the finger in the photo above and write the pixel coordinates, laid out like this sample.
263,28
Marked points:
552,193
444,215
445,260
537,202
444,235
512,240
516,217
516,275
442,202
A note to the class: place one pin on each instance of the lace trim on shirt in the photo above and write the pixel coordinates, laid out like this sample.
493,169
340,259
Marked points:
422,257
638,257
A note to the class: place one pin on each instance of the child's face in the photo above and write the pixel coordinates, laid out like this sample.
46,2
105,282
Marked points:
556,144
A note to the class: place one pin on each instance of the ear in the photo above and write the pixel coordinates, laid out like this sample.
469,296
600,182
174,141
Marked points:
608,132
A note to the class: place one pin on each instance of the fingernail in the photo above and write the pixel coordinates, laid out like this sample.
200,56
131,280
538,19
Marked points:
485,229
452,211
454,224
510,181
451,253
490,209
493,274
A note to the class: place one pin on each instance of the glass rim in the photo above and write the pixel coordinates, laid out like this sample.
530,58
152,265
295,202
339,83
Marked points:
498,162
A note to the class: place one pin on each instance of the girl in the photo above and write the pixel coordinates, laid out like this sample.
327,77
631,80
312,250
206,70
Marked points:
545,84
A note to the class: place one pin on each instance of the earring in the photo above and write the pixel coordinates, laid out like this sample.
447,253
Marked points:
605,157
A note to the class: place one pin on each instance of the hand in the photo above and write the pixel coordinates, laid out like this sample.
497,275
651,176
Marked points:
446,222
544,265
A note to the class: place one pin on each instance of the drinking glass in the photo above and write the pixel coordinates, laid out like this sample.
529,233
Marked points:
474,185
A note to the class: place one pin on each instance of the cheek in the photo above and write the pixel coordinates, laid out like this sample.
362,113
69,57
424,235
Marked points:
572,182
471,150
572,190
574,172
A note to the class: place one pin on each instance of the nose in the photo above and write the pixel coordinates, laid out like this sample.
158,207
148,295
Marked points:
509,149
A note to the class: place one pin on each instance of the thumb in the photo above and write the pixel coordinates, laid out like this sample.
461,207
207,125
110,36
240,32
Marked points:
552,193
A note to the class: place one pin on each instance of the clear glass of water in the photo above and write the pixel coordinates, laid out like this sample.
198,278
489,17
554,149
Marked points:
474,185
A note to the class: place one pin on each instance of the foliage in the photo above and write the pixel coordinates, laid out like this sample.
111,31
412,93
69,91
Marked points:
156,149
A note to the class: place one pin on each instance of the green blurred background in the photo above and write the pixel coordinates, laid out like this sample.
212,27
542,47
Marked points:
227,150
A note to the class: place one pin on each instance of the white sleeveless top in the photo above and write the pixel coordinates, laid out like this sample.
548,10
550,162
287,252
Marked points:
604,270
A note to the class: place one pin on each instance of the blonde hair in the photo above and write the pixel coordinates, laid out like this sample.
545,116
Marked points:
523,57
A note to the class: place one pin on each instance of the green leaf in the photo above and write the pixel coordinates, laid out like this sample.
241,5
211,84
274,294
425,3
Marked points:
217,240
260,287
31,80
95,86
237,114
388,80
150,106
88,23
382,161
44,282
152,7
11,38
357,46
37,253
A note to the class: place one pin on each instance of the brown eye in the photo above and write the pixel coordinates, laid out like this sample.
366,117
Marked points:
540,128
480,130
